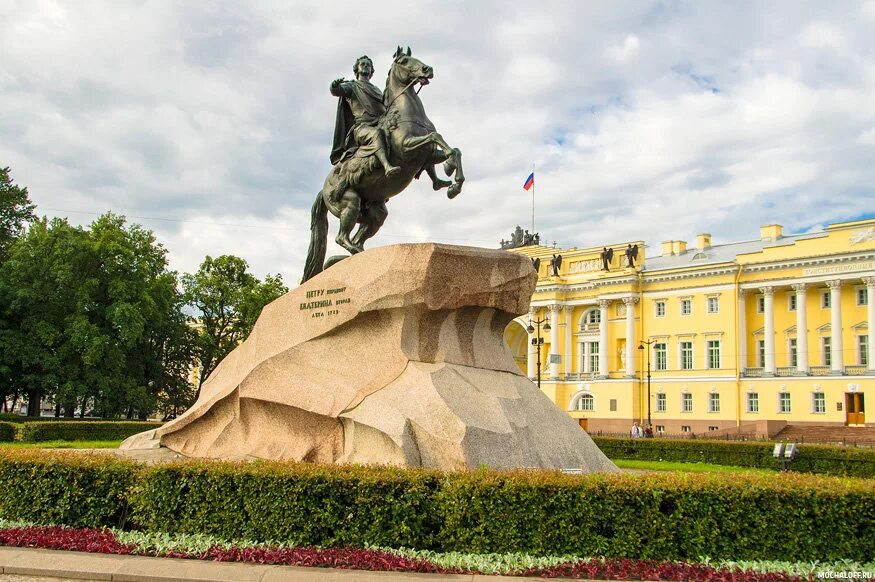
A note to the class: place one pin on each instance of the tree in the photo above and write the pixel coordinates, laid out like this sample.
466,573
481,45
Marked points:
229,301
15,210
96,319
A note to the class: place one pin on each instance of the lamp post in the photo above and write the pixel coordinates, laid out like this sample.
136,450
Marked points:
647,343
538,341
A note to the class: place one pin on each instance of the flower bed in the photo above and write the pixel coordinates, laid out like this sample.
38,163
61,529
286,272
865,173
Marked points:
107,541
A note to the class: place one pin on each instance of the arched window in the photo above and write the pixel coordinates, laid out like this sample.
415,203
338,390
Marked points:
582,401
591,318
586,402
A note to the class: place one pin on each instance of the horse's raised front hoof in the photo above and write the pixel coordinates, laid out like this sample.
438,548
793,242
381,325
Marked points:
439,184
454,190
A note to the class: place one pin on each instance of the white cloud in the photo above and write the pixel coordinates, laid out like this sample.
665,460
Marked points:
867,137
219,116
822,35
627,51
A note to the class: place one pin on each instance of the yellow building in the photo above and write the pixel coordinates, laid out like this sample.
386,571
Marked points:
748,335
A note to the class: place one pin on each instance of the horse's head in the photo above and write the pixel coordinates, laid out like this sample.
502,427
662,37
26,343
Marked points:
407,70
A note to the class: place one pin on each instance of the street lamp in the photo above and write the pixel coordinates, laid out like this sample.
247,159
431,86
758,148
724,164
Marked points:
538,341
647,343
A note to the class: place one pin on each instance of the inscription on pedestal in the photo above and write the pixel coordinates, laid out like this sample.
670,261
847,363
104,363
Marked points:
323,304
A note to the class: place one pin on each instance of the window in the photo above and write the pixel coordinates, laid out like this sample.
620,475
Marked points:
753,402
863,350
794,356
826,300
713,428
791,302
613,405
713,354
686,355
660,308
818,402
660,356
660,429
713,304
586,402
784,402
862,297
686,306
686,402
686,428
761,353
826,350
594,357
761,304
592,317
714,402
660,403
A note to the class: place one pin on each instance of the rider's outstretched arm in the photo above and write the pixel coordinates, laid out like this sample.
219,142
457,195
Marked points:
339,88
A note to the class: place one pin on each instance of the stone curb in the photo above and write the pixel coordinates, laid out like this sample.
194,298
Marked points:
81,565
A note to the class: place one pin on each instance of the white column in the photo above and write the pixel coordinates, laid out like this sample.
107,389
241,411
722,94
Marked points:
568,340
587,355
870,318
769,316
802,362
631,344
835,326
531,367
554,338
603,337
742,331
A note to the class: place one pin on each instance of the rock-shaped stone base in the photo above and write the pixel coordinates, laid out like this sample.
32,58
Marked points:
394,356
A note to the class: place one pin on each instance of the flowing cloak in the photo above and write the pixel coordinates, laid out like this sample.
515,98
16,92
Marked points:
370,98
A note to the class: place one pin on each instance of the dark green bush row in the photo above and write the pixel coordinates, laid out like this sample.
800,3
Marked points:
7,432
831,460
76,490
80,430
787,516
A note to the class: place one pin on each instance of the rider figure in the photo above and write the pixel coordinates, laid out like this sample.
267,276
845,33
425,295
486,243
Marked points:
358,113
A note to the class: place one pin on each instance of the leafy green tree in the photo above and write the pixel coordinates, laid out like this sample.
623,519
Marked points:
229,300
40,287
16,210
98,319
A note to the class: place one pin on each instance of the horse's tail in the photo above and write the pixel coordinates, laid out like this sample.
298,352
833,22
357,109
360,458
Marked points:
318,239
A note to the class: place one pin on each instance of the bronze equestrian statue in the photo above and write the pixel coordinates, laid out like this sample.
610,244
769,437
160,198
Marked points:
380,146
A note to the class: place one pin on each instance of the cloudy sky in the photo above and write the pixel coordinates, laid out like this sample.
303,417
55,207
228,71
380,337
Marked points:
211,122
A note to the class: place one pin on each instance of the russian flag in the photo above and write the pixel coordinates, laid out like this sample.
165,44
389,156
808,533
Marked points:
530,181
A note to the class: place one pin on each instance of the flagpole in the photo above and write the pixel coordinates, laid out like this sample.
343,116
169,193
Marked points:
533,201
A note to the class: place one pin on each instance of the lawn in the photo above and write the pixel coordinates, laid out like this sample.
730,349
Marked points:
684,467
64,445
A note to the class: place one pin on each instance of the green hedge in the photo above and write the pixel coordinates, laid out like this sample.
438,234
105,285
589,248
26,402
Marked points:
70,489
786,516
82,430
7,432
832,460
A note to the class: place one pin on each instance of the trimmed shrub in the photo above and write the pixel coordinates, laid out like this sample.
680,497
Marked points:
655,516
7,432
660,516
786,516
831,460
295,503
64,488
82,430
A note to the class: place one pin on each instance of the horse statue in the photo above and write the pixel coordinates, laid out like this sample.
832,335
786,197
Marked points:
360,183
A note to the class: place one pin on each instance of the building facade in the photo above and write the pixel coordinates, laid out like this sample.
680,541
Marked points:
734,336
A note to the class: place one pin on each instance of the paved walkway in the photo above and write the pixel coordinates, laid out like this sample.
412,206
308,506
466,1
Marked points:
31,565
